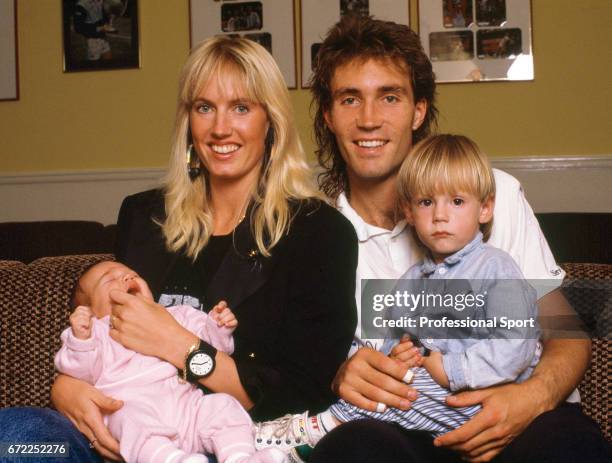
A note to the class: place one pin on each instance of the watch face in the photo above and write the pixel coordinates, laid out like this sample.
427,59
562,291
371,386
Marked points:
201,364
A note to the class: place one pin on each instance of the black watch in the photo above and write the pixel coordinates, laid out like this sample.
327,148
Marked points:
200,362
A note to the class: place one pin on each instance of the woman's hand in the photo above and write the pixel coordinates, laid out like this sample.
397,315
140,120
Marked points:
370,377
143,326
84,405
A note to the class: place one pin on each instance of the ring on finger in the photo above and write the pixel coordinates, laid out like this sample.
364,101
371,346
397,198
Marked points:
380,407
408,377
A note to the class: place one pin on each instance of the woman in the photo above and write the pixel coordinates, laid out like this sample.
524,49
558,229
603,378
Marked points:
240,221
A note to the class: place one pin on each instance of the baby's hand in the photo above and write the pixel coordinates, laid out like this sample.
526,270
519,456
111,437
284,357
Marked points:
222,314
406,353
80,322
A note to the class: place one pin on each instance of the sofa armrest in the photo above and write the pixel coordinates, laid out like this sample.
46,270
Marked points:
590,293
34,300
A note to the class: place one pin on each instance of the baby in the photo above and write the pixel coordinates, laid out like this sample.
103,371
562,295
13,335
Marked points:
163,419
447,191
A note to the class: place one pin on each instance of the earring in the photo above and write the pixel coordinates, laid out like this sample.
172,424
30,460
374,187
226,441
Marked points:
194,165
268,143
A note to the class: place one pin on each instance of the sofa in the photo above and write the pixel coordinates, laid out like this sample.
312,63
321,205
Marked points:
572,236
34,300
28,241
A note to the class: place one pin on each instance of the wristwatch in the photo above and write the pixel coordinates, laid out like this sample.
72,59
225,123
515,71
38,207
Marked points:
199,362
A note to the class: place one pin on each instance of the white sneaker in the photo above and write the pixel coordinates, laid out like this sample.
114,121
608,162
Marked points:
283,433
294,457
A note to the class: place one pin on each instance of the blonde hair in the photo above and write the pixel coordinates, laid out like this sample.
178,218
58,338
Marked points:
447,163
285,173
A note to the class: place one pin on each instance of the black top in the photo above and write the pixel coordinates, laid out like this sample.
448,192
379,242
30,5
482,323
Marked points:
296,309
189,278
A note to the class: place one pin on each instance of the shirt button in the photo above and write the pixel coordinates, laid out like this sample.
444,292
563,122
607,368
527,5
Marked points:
429,341
442,271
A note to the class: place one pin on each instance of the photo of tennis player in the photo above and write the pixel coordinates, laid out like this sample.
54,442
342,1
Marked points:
358,7
498,43
246,16
451,46
490,12
262,38
457,13
100,34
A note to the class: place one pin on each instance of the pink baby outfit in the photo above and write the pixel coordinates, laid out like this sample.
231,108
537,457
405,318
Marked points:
162,419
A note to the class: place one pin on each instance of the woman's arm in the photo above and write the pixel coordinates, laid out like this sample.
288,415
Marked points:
148,328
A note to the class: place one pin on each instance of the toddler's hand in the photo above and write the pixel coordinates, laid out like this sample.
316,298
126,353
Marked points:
406,353
80,322
222,314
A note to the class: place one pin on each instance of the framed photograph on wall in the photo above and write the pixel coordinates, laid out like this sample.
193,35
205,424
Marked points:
100,35
9,74
268,22
317,16
477,40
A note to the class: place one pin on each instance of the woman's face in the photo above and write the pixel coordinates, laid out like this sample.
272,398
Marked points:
228,130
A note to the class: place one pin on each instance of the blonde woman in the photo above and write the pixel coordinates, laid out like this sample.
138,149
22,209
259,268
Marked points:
239,218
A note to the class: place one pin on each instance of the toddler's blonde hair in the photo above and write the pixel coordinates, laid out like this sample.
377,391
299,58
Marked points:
446,163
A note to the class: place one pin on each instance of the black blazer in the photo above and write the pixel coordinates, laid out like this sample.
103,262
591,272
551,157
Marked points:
296,309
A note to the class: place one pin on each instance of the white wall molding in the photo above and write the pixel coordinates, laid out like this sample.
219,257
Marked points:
552,184
563,184
533,163
79,176
71,195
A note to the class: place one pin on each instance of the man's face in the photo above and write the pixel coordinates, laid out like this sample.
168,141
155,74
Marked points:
373,115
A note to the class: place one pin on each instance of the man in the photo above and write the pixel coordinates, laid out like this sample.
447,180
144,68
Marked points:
373,92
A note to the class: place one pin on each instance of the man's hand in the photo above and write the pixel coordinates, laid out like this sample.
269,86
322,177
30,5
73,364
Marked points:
506,411
370,377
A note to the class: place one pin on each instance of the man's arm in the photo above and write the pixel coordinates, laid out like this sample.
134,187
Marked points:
509,409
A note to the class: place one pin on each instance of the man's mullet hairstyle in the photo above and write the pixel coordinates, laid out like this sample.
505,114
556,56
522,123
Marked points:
363,38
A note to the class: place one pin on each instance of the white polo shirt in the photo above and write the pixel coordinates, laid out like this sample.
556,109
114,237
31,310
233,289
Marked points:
389,253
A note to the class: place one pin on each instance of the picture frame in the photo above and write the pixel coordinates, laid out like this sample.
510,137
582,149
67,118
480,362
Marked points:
9,57
266,22
318,16
100,35
477,40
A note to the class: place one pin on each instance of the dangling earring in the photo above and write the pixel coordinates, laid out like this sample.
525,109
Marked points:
194,165
268,143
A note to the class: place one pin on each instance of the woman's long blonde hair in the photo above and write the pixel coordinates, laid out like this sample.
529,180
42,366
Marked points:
285,174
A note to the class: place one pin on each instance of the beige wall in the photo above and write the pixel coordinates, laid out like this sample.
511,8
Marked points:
123,119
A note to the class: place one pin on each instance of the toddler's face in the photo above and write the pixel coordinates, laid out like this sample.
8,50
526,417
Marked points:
445,223
97,283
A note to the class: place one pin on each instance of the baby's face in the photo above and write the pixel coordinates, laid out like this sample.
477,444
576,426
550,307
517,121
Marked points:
98,282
